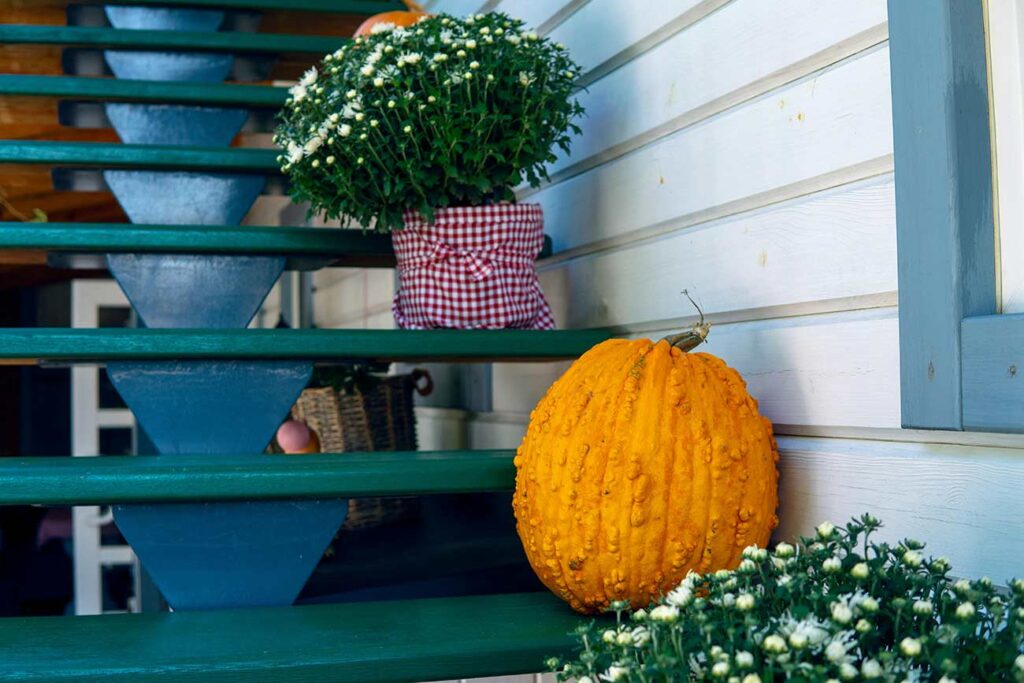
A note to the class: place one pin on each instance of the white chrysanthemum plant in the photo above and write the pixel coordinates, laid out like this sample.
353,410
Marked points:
426,131
836,607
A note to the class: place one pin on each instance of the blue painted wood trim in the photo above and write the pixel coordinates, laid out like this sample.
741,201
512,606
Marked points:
993,373
944,216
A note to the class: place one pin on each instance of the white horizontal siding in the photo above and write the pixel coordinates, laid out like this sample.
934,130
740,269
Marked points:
600,29
832,369
828,245
538,14
352,297
964,501
459,8
840,118
716,63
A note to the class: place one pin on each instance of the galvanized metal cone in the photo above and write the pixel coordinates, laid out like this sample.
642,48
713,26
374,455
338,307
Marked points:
216,555
207,67
205,555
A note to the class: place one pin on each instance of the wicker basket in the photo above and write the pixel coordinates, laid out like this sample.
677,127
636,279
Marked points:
380,419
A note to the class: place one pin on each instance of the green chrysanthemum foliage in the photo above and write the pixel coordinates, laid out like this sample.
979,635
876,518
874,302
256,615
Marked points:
837,607
447,112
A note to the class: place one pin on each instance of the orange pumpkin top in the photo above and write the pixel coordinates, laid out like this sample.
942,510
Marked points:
397,17
641,463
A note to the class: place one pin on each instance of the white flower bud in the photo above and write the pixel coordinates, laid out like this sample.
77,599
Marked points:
922,607
665,613
720,669
745,602
835,651
774,643
784,550
751,678
912,558
798,640
871,669
911,647
832,565
861,570
841,613
826,529
744,659
965,610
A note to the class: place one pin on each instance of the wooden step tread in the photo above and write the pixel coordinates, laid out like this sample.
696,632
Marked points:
306,247
164,92
384,642
145,39
154,157
30,345
184,478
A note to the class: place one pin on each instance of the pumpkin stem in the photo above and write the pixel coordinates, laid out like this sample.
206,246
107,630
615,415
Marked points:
695,336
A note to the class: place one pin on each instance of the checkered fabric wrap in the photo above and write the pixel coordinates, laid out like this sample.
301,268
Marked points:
472,269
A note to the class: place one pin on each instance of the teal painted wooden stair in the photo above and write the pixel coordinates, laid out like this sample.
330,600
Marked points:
384,642
402,640
305,247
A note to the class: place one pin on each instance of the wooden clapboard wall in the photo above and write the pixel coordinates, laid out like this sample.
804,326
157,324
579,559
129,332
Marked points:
743,150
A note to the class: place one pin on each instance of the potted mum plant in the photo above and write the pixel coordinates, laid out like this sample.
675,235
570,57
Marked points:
426,131
836,607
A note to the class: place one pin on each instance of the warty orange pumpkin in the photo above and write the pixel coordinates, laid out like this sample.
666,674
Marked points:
641,463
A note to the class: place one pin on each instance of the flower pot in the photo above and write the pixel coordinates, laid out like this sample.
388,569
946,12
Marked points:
472,268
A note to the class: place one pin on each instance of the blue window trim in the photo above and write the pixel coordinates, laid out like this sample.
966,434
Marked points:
945,224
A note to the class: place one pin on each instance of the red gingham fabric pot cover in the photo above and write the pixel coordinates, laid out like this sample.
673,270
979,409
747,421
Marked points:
473,268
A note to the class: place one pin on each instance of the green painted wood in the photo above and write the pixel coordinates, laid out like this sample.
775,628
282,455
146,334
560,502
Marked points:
85,345
350,248
944,212
385,642
144,39
333,6
993,373
166,92
113,155
187,478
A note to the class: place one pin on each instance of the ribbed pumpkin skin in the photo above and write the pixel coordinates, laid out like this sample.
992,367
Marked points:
641,463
